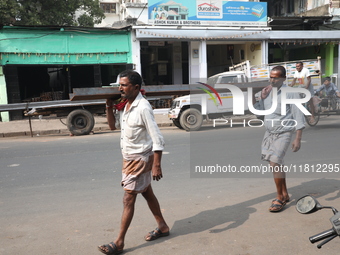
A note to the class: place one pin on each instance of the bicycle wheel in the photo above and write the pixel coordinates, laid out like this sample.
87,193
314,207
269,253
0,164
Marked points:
312,122
333,103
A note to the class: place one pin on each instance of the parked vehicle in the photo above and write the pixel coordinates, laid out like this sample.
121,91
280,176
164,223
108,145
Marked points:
188,112
85,102
309,204
79,121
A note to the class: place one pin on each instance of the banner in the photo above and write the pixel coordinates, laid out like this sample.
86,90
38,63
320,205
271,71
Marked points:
207,13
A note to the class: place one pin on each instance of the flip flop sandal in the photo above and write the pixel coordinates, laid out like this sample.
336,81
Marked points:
111,247
277,207
155,234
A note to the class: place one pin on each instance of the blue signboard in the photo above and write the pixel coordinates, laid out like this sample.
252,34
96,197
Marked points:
207,13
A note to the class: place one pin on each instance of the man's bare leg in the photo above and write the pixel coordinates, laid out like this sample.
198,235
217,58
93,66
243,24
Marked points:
312,109
280,182
155,209
129,200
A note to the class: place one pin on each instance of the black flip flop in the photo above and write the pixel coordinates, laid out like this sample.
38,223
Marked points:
277,207
111,247
155,234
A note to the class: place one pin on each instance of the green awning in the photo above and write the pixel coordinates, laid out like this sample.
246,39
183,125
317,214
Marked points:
75,46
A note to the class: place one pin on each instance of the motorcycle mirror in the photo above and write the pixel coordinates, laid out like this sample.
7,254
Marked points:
308,204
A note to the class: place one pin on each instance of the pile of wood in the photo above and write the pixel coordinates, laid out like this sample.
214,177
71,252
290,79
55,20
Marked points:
50,96
35,99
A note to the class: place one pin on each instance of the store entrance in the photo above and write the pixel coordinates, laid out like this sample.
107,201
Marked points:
162,62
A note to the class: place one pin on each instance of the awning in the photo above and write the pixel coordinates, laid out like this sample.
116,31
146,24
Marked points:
217,34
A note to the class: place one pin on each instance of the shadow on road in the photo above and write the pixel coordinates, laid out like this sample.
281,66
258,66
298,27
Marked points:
239,213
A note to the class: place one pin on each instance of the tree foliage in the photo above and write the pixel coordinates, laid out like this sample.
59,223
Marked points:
54,12
8,11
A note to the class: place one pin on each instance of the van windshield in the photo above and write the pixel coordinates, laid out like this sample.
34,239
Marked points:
229,79
218,79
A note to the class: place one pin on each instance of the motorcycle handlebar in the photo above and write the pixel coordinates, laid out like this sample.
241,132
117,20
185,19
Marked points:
322,235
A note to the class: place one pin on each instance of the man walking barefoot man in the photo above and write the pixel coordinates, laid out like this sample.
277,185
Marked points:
141,145
279,132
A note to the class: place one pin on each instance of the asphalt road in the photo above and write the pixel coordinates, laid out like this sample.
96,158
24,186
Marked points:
62,195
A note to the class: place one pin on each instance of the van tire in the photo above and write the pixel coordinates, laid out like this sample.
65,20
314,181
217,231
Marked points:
177,124
80,122
191,119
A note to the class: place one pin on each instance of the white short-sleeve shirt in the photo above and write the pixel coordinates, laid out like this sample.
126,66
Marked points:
139,130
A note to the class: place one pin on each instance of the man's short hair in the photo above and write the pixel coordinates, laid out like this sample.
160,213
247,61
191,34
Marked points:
328,78
280,69
133,76
300,63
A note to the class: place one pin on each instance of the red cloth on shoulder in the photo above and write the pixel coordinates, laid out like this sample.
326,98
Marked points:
122,102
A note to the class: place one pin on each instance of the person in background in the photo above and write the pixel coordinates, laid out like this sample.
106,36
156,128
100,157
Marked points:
302,79
328,87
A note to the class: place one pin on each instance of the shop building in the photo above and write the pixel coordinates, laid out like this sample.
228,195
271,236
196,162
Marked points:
46,63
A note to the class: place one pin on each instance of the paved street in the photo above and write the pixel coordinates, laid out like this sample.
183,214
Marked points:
62,195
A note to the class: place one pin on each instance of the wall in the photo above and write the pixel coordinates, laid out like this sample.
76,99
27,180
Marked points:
253,53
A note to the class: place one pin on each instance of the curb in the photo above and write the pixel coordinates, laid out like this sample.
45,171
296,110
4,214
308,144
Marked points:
95,129
61,131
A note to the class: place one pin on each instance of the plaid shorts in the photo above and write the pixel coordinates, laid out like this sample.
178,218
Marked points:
274,146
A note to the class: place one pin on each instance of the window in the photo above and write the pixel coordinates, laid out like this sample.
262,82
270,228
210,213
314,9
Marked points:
318,3
108,7
229,79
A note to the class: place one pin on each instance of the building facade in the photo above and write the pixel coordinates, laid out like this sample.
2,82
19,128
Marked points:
46,63
175,50
179,46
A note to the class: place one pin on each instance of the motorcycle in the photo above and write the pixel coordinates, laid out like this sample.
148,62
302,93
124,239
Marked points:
309,204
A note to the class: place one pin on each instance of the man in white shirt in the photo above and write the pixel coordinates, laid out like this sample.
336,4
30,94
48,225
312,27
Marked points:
302,79
142,145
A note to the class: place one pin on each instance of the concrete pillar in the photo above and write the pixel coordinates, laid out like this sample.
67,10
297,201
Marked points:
177,74
136,59
264,48
3,95
198,61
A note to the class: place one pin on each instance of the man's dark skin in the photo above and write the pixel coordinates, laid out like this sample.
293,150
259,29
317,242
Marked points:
130,92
